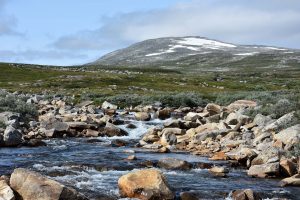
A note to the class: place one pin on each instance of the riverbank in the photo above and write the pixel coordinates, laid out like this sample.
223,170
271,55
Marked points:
90,147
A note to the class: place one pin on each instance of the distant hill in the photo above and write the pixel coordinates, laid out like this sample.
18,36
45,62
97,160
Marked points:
201,54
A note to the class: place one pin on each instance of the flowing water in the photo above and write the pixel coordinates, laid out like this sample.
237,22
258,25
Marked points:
94,168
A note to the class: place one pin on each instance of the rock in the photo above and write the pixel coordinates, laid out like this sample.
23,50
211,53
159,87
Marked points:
288,167
12,137
152,146
164,113
285,119
264,170
111,130
235,118
213,109
246,194
261,120
176,131
146,184
291,181
91,133
288,135
150,138
188,196
219,156
131,157
6,193
31,185
261,137
213,119
163,150
84,104
174,164
7,116
242,104
131,126
192,116
35,143
142,116
118,143
242,155
173,124
266,156
168,138
107,106
219,171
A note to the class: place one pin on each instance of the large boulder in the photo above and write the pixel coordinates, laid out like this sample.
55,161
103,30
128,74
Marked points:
288,135
242,104
111,130
261,120
164,113
281,122
264,170
176,131
292,181
146,184
6,193
108,106
168,138
246,194
219,171
7,116
173,164
142,116
213,109
242,154
31,185
288,167
12,137
270,154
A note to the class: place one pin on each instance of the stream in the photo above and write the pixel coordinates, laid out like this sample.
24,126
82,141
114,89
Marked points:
94,167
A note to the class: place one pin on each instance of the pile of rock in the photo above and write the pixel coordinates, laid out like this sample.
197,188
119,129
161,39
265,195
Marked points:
225,133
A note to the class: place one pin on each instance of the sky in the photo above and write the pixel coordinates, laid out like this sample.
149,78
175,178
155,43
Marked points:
71,32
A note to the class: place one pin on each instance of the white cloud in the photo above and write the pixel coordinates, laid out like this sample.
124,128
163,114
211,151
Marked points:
257,21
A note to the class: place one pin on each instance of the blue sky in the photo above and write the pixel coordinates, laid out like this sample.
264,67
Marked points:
66,32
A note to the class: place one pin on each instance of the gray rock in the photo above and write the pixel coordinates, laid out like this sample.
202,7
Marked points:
12,137
264,170
107,105
287,136
111,130
31,185
174,164
261,120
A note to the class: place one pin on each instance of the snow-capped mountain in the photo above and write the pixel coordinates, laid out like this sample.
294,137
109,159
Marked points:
197,52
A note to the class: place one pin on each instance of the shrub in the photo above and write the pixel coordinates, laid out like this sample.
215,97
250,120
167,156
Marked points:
14,103
275,104
173,100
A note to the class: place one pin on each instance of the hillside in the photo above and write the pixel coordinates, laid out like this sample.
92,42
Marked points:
201,54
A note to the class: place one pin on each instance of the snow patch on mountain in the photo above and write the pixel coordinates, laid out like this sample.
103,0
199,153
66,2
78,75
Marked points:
211,44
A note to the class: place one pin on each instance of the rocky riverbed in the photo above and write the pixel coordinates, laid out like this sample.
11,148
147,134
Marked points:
86,151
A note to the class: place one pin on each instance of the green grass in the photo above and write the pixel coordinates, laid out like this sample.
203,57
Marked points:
146,84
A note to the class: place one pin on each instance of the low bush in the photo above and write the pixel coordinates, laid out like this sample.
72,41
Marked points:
173,100
275,104
13,103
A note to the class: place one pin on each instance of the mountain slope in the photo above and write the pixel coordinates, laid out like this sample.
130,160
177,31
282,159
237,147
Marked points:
198,53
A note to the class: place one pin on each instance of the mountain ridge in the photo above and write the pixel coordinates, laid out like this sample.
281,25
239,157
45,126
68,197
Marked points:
198,53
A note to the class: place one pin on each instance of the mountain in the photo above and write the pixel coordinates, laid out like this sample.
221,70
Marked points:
199,53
